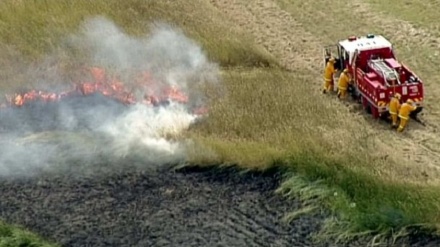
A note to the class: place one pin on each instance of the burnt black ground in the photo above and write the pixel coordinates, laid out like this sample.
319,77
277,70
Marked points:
155,208
141,207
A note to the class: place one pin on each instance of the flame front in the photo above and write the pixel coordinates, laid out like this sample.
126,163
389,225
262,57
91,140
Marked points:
111,87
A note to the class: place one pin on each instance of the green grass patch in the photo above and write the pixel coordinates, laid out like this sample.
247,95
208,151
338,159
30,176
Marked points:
14,236
362,203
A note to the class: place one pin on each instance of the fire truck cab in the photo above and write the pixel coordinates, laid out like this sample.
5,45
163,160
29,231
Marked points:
377,74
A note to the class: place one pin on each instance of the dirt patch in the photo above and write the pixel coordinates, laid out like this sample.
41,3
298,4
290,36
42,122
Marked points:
275,30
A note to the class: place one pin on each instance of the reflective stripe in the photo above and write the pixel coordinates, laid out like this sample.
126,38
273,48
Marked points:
369,100
403,117
343,88
328,79
381,103
393,113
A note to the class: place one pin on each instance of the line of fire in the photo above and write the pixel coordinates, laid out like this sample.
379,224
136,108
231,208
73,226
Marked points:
111,87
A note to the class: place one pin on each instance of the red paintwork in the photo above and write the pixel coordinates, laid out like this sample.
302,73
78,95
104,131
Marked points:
371,82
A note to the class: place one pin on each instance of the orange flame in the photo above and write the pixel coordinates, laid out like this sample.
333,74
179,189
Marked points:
111,88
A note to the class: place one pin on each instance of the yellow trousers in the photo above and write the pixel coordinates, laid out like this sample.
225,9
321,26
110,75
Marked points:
342,94
394,119
328,85
403,122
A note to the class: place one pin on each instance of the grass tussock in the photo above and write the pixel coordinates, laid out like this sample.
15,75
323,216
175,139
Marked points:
268,116
15,236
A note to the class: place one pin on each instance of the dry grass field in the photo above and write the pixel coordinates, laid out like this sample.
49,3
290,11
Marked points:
270,53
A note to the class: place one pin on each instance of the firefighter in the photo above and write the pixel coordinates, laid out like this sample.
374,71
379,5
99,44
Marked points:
328,75
404,112
394,108
344,81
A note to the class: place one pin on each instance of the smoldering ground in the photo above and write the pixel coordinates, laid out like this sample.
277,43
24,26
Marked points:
78,132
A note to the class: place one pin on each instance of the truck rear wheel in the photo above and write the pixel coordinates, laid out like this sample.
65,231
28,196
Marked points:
385,116
354,94
374,111
365,104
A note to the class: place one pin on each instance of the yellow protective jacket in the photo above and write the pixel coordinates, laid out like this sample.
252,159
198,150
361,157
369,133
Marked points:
405,110
343,82
394,106
329,71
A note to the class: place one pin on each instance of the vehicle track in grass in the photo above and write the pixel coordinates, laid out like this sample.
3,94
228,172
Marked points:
274,29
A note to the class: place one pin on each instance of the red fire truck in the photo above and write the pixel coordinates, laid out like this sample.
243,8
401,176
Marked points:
376,73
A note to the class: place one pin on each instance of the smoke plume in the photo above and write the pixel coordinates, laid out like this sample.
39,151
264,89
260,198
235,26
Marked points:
80,133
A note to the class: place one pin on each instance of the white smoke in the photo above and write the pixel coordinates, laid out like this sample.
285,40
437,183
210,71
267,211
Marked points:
146,127
166,52
91,132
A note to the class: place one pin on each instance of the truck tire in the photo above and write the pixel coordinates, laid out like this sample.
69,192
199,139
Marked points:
374,112
365,104
355,95
385,116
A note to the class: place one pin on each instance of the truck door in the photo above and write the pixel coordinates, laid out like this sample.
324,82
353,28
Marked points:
332,51
354,91
344,57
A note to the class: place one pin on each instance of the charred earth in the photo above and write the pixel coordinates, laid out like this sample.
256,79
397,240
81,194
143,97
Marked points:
157,207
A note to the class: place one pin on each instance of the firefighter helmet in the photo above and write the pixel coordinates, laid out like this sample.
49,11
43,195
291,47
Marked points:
398,96
409,101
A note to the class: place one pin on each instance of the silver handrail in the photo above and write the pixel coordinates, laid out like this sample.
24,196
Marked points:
382,68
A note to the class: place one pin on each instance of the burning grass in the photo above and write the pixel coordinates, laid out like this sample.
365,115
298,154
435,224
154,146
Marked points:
265,118
153,94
